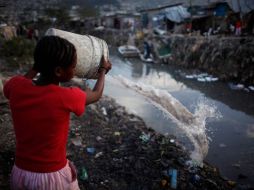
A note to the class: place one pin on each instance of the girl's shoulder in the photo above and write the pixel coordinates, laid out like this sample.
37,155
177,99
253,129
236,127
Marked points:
14,80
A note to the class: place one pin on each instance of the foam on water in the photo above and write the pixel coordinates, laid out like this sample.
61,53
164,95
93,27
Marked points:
192,124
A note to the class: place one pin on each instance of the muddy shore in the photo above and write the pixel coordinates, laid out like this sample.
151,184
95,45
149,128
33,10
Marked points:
113,149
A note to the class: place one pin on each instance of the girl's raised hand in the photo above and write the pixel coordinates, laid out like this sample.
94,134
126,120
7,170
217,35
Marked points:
105,64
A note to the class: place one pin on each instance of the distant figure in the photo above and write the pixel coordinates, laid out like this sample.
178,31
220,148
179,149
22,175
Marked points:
188,27
238,28
36,34
41,114
232,28
30,33
147,50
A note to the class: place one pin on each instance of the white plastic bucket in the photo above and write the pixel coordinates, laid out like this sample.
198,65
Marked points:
89,51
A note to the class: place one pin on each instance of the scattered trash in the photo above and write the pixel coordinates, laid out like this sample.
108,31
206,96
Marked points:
211,79
164,183
251,88
145,137
98,138
172,140
117,133
90,150
189,76
231,183
84,175
116,150
98,154
104,111
203,77
236,86
195,179
173,181
76,141
193,166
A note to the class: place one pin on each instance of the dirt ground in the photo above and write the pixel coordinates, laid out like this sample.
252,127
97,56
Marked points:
113,149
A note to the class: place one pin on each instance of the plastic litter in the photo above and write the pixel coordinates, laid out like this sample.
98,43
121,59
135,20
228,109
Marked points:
189,77
201,79
164,183
251,88
145,137
172,174
173,181
84,175
104,111
98,138
99,154
195,179
117,133
231,183
77,141
90,150
236,86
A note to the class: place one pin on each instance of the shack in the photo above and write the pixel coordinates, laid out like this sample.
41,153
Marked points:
168,17
121,20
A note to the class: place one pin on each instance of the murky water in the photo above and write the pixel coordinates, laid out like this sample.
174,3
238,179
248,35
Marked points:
231,138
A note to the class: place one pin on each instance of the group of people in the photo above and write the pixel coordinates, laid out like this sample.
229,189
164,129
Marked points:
41,110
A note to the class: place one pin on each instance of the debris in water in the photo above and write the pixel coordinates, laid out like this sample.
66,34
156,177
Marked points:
251,88
236,86
204,77
222,145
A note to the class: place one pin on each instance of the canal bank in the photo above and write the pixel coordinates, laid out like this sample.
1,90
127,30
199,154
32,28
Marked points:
114,149
230,138
229,58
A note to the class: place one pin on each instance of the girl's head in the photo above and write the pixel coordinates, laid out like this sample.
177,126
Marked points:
55,57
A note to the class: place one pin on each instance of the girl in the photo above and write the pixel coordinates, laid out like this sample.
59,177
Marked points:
41,113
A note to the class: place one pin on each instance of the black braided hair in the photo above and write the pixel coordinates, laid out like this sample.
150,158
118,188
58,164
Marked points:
51,52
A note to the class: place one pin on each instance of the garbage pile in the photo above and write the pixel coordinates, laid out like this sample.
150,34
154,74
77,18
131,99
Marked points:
113,149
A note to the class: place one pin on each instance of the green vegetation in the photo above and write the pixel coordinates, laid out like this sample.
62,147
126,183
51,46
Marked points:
17,52
61,14
88,11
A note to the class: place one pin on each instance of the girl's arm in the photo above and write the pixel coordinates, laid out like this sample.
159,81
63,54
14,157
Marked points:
95,94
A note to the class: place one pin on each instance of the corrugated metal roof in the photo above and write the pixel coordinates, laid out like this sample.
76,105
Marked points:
243,6
177,14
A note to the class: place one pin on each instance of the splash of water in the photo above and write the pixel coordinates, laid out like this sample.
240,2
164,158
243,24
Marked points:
193,124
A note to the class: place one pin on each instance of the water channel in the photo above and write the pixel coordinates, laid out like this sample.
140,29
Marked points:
231,138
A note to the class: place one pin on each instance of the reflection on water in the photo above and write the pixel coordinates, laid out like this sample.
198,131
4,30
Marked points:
231,147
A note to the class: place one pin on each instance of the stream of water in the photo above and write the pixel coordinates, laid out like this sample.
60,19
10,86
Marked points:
214,122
